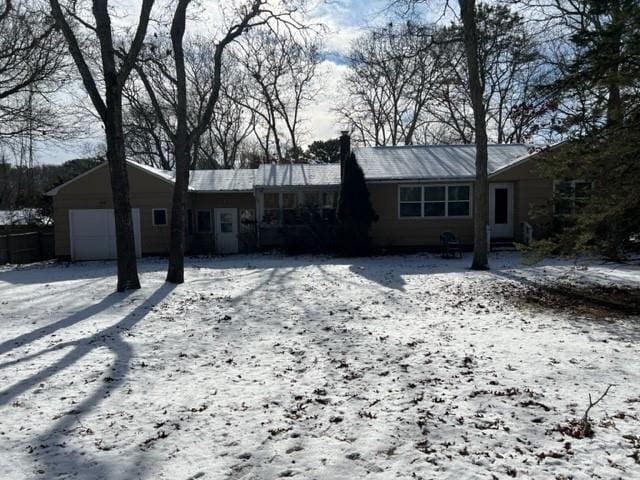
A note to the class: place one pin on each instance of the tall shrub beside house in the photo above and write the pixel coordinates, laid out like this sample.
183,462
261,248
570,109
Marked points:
597,199
355,212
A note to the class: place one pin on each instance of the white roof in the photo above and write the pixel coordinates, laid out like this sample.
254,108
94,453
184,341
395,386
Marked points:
230,180
433,161
411,162
157,172
239,180
297,175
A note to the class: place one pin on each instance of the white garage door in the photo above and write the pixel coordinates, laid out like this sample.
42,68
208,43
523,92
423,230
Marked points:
93,233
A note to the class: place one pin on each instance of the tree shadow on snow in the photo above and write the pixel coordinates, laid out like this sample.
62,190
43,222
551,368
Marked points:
56,460
385,270
69,321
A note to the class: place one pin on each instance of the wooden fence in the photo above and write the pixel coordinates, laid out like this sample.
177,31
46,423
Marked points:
26,247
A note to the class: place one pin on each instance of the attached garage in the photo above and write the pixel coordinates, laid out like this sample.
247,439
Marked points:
92,233
84,223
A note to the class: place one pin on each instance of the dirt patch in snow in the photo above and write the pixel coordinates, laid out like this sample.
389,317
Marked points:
597,301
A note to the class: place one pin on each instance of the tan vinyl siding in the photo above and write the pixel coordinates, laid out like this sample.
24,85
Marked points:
531,189
94,191
204,242
391,230
148,192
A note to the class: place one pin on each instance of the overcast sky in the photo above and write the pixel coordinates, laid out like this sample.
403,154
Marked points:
344,19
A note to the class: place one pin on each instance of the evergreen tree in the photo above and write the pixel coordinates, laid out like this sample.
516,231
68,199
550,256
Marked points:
355,212
596,204
598,214
323,151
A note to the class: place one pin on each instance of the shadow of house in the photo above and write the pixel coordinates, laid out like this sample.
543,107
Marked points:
109,338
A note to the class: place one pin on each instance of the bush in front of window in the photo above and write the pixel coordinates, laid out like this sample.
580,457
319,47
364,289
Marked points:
313,232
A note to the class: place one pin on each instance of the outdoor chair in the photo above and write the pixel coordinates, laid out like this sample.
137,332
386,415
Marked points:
450,245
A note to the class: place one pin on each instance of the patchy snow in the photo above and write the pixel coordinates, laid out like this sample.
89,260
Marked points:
267,366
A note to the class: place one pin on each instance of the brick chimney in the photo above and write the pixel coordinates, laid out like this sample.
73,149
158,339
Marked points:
345,150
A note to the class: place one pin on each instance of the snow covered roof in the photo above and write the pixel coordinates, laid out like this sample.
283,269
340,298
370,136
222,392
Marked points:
230,180
297,175
433,161
239,180
162,174
412,162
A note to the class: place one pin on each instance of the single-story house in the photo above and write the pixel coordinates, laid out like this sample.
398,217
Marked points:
418,193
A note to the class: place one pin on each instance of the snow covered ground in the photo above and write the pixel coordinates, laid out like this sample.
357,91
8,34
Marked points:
267,366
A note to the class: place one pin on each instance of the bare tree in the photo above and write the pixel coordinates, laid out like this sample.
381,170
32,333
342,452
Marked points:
481,186
394,71
185,131
510,69
468,15
230,125
112,77
281,66
32,64
146,139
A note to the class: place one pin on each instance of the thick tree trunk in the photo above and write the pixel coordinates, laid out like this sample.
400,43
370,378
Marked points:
481,187
110,112
125,241
183,139
175,272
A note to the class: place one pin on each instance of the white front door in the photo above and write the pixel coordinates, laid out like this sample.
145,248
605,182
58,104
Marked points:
92,233
226,224
501,210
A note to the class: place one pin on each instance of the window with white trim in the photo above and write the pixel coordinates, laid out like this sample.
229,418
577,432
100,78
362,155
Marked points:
410,201
458,201
427,201
159,217
435,201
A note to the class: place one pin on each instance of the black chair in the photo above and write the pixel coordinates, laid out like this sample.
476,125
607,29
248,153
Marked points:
450,245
